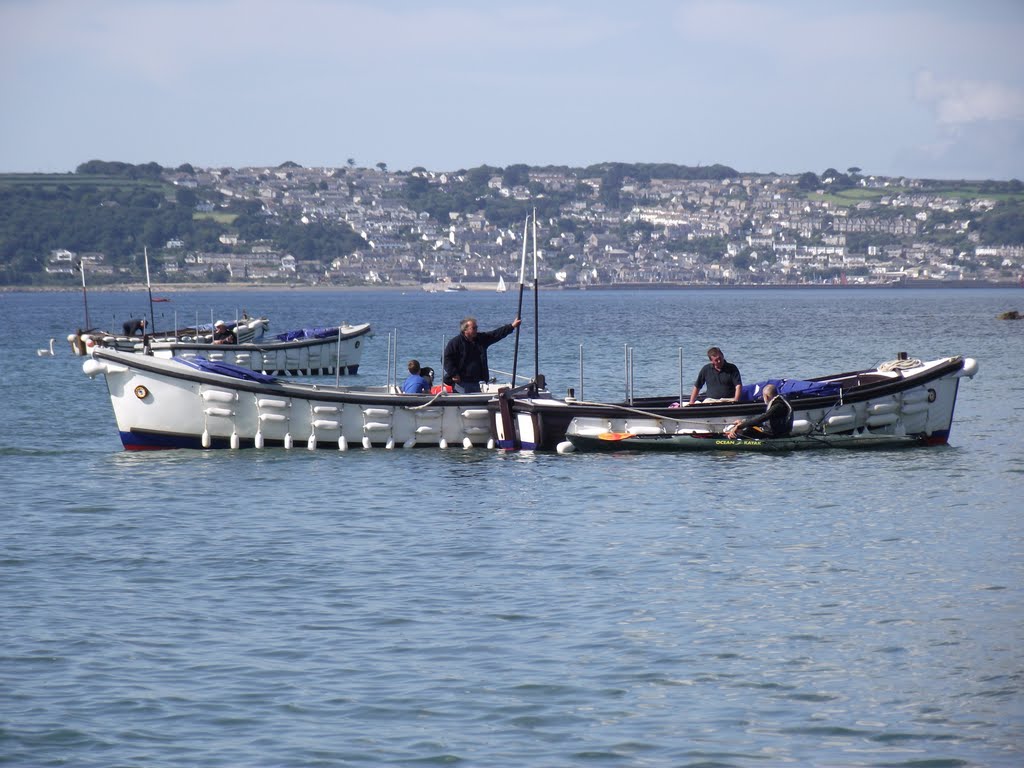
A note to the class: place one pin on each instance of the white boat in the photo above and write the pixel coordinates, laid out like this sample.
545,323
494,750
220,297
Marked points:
501,285
905,401
246,330
302,352
193,403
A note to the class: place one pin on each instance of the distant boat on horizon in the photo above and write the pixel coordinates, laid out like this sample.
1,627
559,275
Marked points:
501,285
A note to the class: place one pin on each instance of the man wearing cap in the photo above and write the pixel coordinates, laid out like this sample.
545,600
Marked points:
222,334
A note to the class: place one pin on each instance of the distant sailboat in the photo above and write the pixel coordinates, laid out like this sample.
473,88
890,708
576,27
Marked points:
501,285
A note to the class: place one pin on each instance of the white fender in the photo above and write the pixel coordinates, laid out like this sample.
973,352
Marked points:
342,443
218,412
841,420
277,417
425,430
375,426
325,409
475,413
565,447
258,441
265,402
206,438
325,424
919,407
801,427
467,443
219,396
390,444
366,443
377,411
311,442
881,419
890,407
288,441
443,443
970,368
490,444
234,441
410,443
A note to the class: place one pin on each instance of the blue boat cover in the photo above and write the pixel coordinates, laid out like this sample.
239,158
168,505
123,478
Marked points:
225,369
307,333
790,388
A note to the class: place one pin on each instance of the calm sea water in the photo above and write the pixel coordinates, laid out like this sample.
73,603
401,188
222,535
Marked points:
273,608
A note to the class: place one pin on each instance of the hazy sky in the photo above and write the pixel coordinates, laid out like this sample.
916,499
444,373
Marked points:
928,88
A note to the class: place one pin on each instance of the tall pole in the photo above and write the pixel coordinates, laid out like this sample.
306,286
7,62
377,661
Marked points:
85,297
519,309
536,316
149,287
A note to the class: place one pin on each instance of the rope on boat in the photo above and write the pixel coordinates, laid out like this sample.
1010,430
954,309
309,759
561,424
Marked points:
899,365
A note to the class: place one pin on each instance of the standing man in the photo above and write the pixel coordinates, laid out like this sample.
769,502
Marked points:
722,378
465,356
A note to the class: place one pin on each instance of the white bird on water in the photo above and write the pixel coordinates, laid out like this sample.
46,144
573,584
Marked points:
46,352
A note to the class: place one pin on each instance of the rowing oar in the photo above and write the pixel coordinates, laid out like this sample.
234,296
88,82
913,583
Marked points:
519,309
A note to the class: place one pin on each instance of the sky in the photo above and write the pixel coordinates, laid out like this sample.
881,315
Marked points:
920,88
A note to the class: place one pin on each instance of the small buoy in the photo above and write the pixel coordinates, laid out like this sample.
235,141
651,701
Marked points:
565,447
206,438
234,441
259,440
288,442
342,443
366,443
311,443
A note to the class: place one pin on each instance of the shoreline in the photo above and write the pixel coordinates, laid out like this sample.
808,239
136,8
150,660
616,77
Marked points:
489,287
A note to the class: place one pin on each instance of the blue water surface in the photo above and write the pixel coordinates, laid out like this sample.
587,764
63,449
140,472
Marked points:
368,608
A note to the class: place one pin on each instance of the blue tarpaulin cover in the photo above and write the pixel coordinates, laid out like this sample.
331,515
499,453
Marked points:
790,388
307,333
225,369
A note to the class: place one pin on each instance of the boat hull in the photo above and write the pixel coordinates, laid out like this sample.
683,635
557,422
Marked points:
166,403
917,400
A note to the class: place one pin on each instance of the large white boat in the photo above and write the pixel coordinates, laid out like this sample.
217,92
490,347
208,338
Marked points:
902,402
301,352
195,403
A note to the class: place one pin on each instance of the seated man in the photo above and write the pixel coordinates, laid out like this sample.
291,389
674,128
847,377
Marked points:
722,379
777,420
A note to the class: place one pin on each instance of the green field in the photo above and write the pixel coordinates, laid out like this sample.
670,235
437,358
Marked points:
52,181
220,218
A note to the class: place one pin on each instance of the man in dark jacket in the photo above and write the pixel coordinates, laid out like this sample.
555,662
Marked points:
776,421
465,356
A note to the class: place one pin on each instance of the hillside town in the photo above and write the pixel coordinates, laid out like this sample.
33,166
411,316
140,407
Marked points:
738,230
